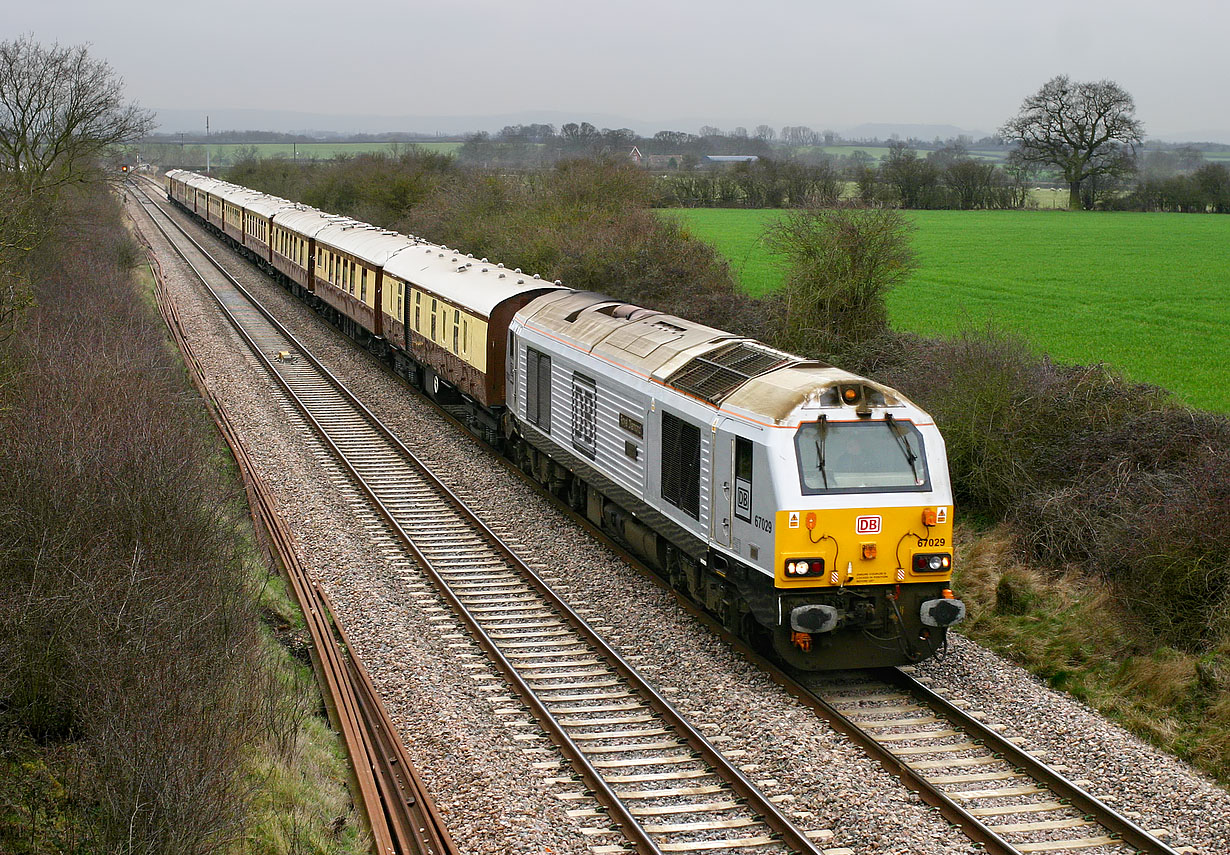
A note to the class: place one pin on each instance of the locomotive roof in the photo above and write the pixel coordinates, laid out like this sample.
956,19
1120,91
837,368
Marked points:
650,343
719,368
797,393
476,284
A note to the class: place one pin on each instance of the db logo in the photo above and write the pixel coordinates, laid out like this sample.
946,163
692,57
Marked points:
867,525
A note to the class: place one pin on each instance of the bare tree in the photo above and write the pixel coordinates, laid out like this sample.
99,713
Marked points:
766,133
1082,129
60,110
800,135
913,178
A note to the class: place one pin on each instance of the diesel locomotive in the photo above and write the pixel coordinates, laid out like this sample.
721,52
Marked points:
808,508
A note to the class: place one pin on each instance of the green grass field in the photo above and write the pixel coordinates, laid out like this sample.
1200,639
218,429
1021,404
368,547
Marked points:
1149,293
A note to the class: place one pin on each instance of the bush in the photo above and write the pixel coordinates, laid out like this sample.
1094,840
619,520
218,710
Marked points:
842,263
588,223
375,187
126,628
1092,471
1149,510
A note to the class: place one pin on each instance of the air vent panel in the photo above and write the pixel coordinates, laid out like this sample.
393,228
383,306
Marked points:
716,374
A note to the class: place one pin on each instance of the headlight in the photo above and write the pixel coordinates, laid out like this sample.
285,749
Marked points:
938,562
804,567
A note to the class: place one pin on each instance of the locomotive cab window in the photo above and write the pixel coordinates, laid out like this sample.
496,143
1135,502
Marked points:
863,456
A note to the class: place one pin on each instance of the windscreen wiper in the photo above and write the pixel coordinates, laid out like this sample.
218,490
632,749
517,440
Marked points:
824,432
903,443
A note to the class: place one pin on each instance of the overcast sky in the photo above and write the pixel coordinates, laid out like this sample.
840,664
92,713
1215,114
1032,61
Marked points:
825,63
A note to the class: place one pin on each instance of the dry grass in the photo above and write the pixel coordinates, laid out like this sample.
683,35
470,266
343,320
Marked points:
1076,632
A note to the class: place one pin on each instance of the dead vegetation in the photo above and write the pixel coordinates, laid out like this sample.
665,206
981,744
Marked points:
143,708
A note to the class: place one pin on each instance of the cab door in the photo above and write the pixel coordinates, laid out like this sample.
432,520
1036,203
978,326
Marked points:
742,493
733,484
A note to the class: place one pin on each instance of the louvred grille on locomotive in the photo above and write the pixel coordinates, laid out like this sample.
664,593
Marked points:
716,374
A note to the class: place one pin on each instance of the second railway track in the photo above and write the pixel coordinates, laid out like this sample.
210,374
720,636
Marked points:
658,780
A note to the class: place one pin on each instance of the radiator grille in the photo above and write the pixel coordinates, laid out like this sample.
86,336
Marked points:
716,374
681,464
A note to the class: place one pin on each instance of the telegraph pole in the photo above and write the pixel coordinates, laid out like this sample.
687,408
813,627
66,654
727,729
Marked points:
207,145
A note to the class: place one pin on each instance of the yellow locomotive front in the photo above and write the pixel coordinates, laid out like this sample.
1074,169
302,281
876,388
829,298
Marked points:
862,530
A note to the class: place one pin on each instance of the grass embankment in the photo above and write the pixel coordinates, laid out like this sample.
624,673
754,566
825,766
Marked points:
1144,292
1074,631
147,700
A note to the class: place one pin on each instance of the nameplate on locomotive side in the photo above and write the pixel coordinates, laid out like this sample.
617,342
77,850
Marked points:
632,426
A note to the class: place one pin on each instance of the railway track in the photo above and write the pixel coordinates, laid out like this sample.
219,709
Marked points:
402,818
1003,796
657,780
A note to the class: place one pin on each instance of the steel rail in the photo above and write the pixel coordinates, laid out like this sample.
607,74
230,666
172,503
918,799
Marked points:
768,812
1129,832
417,816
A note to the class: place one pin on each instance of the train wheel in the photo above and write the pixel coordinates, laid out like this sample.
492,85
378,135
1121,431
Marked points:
576,494
677,573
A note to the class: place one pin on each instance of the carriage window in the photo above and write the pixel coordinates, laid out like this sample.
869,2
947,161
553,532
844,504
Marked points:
681,464
456,331
418,306
363,284
433,320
